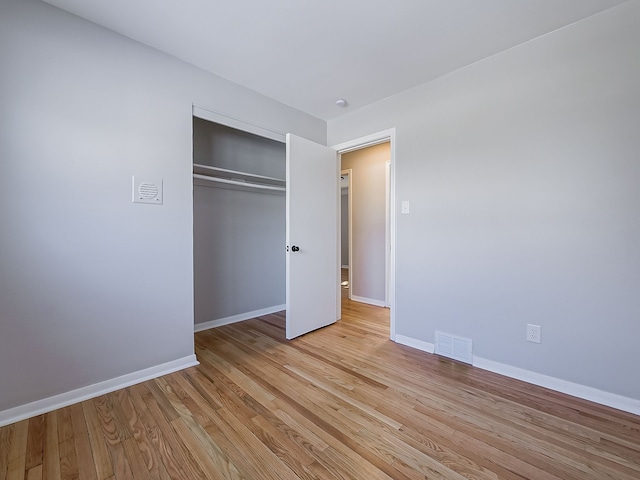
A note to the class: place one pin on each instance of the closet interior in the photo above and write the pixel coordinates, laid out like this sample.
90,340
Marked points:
238,224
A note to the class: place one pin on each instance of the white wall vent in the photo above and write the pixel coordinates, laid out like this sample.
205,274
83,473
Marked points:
452,346
147,191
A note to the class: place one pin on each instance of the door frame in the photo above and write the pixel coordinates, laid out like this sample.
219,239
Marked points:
348,172
367,141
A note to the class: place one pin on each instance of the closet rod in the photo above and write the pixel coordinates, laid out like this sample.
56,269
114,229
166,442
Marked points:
239,183
236,175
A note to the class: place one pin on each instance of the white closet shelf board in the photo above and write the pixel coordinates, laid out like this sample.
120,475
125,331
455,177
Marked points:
206,181
218,172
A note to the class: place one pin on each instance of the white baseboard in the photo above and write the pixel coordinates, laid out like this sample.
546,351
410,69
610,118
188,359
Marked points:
370,301
574,389
345,266
49,404
413,343
609,399
198,327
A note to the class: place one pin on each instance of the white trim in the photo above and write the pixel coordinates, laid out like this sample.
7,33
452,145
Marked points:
198,327
349,172
414,343
387,231
366,141
370,301
584,392
575,389
237,124
49,404
339,237
345,266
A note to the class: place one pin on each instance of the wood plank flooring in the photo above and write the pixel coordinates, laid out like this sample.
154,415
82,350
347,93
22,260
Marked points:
340,403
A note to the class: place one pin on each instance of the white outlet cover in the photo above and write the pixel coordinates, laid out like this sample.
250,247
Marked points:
533,333
147,190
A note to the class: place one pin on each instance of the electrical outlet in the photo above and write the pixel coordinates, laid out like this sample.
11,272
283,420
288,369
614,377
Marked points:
533,333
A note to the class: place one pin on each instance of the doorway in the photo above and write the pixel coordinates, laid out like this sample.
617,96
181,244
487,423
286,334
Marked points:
368,274
367,223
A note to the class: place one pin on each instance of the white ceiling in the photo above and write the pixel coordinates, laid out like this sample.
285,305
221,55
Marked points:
308,53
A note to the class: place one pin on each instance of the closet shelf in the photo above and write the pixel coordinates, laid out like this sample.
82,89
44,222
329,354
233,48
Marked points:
239,183
233,177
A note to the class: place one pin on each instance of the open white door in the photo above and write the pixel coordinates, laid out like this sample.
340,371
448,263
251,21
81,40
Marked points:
311,236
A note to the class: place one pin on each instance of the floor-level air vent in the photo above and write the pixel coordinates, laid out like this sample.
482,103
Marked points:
452,346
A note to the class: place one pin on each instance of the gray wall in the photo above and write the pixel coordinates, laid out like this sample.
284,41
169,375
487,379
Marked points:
225,147
93,287
239,235
523,172
368,166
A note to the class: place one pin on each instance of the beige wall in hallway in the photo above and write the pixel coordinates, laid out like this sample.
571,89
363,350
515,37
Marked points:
368,167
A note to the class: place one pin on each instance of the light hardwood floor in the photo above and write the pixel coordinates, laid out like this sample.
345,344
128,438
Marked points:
341,402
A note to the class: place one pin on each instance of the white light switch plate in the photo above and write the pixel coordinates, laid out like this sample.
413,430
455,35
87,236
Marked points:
147,190
404,209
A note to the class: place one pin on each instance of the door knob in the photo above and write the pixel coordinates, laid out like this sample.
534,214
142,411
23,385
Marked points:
295,248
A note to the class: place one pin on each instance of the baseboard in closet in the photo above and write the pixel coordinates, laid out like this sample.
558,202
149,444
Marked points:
198,327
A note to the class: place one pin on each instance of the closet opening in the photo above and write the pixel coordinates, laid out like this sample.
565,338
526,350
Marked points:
238,224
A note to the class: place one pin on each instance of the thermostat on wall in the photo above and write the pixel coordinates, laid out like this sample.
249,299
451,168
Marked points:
146,190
